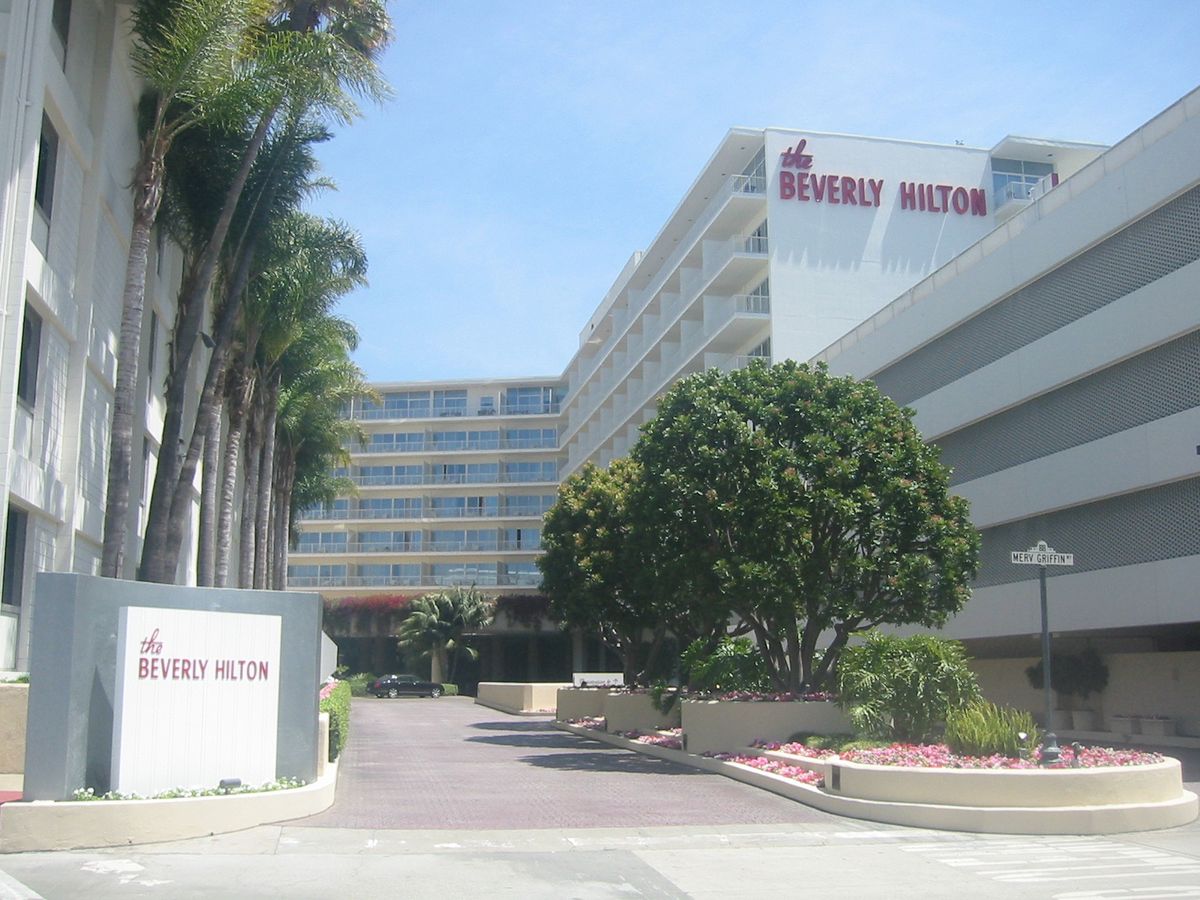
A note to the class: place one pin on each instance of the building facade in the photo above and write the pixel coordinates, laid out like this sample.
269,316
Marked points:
1056,363
450,484
68,144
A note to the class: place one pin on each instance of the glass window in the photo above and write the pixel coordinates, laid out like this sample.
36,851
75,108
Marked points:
522,573
450,440
60,20
31,351
449,403
14,557
483,473
47,165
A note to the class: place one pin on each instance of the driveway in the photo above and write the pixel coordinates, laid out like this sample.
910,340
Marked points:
447,763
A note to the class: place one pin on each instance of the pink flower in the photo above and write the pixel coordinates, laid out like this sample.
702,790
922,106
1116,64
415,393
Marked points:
774,766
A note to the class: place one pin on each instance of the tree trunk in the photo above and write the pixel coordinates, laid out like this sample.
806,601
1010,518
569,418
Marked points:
266,482
283,518
252,453
148,181
192,304
437,665
206,540
239,401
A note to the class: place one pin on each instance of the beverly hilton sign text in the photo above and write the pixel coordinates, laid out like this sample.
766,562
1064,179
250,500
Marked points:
153,665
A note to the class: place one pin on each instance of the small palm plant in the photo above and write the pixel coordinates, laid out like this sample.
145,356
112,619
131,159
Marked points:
439,624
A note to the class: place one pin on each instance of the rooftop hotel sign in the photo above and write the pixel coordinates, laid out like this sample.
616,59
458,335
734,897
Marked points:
798,182
196,699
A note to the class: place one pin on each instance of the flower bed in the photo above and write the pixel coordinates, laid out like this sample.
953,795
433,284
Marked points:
671,738
774,766
593,723
794,748
939,756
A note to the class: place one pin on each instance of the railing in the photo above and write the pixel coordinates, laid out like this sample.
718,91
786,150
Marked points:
749,184
755,244
375,414
519,512
757,304
432,446
741,362
453,478
488,579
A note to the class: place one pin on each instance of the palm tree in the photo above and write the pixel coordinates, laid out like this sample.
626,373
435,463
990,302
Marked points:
193,57
438,624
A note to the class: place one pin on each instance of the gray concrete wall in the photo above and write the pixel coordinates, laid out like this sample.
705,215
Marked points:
73,661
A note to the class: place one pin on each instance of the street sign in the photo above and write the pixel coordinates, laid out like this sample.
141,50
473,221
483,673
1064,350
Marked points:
1042,555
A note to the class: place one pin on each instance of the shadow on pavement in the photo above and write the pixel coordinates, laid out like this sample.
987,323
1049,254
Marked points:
526,725
609,761
548,739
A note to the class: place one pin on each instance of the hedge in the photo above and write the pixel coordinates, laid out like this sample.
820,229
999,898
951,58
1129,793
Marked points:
337,704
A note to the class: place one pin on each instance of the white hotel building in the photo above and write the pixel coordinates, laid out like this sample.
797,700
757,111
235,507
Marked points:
68,144
1037,303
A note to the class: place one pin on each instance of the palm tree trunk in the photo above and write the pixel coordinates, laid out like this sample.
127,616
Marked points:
266,483
148,182
206,540
283,518
239,400
252,453
191,316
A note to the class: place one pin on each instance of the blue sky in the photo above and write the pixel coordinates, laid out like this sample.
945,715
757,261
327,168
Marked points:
532,146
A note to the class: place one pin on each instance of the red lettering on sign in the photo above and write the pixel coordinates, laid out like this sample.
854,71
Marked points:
960,201
832,186
908,196
876,189
818,186
143,667
943,194
802,187
787,185
978,202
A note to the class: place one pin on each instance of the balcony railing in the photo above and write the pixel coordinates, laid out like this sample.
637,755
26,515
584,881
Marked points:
375,414
757,304
755,244
490,512
432,446
749,184
485,579
427,478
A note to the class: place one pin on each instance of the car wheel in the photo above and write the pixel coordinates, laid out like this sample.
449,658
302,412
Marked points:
436,692
393,693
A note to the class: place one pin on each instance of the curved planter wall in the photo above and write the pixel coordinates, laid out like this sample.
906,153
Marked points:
1157,783
726,725
636,712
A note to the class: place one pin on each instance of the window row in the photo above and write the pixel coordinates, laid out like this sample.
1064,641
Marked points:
454,473
482,574
533,400
433,541
418,441
481,506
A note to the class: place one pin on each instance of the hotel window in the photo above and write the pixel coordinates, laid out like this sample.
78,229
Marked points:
483,473
520,574
484,440
756,241
1013,179
450,473
60,23
530,471
754,176
449,403
487,406
449,440
14,557
43,184
530,438
31,352
528,400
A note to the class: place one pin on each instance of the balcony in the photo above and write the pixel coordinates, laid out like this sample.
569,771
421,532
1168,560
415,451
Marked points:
431,446
430,479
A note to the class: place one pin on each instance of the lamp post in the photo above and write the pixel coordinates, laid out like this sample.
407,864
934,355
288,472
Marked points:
1041,555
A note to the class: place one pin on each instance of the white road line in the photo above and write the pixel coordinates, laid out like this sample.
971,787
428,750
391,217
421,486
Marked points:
11,889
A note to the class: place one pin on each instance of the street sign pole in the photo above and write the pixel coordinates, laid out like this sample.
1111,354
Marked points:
1050,751
1041,555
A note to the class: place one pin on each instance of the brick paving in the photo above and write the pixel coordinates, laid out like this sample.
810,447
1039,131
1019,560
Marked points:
419,763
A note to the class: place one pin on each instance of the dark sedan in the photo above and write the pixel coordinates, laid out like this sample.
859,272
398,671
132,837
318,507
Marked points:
404,686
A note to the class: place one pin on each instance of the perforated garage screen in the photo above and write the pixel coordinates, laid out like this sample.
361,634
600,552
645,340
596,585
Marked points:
1152,385
1159,523
1145,251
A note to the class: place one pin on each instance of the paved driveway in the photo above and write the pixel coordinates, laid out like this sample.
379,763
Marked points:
418,763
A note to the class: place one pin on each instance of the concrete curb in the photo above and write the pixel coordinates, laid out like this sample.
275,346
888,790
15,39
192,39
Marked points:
1101,819
75,825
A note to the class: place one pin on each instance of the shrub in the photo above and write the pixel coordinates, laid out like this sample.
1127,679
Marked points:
359,683
735,664
985,729
337,704
449,690
902,689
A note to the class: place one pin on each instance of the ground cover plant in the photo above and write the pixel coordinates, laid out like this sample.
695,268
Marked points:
671,738
939,756
774,766
335,700
279,784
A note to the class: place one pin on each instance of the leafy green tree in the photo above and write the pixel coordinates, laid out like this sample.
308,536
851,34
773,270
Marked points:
439,624
903,689
801,503
593,565
734,665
